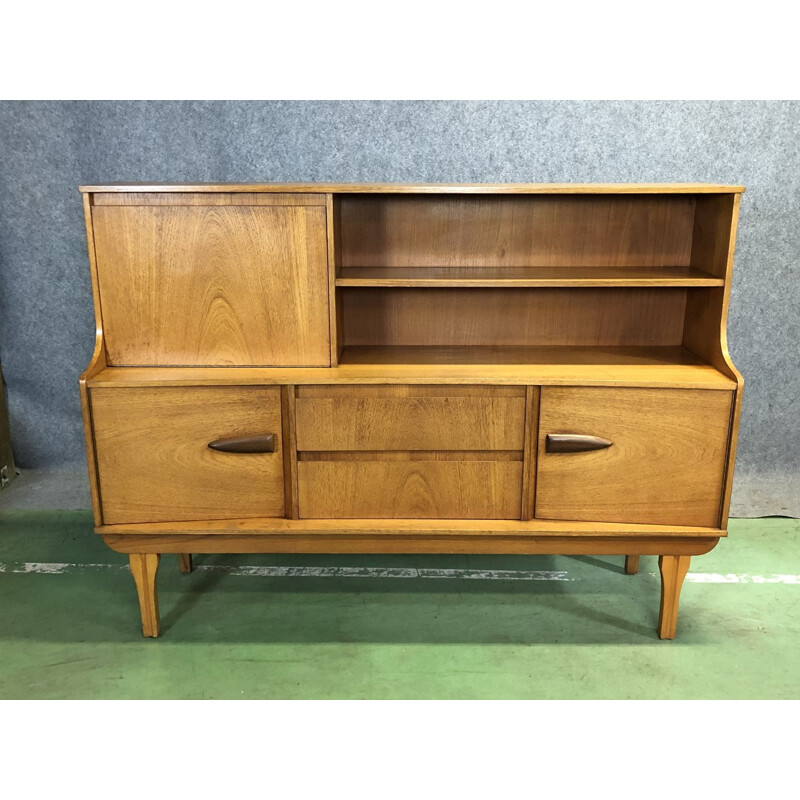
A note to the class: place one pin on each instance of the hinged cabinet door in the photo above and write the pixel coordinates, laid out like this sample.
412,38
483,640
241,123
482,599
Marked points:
193,284
651,456
154,462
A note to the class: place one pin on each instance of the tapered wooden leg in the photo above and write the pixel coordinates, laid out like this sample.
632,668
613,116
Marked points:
673,571
185,562
144,567
631,565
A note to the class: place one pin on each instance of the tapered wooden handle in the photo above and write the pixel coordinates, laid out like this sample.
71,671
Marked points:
245,444
574,443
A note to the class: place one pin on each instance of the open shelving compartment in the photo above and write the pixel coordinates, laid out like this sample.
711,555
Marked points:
595,280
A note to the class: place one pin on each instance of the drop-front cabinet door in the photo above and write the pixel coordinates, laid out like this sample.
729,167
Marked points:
632,455
154,462
213,279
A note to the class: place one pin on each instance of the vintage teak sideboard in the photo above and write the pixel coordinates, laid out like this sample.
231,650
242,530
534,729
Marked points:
384,368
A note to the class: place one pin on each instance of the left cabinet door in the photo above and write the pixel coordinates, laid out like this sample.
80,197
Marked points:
154,463
192,281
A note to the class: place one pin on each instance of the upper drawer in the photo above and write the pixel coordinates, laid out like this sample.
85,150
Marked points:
475,418
212,280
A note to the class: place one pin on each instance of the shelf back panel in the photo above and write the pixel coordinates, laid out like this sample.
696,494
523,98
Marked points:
509,317
516,231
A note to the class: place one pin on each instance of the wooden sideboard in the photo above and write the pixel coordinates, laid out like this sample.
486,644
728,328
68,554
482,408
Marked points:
382,368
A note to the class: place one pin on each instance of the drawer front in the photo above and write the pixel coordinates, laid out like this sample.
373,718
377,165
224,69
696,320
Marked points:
410,488
191,284
331,418
665,464
415,452
154,463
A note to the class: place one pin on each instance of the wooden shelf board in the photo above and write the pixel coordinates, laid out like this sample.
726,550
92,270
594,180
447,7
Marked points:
665,367
524,276
427,188
418,527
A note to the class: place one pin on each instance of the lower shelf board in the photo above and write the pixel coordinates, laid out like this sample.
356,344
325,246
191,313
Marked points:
406,527
404,543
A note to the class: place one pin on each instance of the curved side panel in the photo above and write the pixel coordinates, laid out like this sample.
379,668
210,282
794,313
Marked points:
706,325
97,363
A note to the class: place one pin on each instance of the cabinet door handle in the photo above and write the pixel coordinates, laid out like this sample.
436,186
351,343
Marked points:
574,443
245,444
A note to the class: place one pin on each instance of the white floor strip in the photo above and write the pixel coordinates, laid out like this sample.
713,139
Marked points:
58,568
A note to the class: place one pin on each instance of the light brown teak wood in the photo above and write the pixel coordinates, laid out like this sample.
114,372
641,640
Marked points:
213,285
155,465
410,418
665,465
144,567
667,367
410,348
673,571
505,277
389,488
516,231
424,188
502,317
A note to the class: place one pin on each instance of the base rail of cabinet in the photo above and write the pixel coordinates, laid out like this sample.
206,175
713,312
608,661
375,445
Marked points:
674,554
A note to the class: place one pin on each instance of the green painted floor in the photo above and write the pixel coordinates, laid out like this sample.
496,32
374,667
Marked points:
69,626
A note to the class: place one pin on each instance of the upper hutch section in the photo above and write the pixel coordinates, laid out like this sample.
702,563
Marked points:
379,279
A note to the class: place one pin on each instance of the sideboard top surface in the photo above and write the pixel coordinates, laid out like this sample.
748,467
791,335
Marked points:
426,188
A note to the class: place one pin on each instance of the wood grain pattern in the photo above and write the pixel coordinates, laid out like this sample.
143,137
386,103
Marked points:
503,317
672,367
412,489
332,237
453,231
389,418
426,188
144,568
155,465
535,528
529,453
673,570
96,364
410,455
289,451
437,277
207,199
428,543
666,463
213,285
706,326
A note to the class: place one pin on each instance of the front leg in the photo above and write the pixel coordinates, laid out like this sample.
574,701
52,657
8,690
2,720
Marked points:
673,571
144,567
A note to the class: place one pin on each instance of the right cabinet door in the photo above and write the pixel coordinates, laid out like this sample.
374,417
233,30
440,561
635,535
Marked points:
665,463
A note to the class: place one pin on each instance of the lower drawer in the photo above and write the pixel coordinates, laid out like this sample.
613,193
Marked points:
410,486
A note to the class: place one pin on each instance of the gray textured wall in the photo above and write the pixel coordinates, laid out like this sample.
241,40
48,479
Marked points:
48,148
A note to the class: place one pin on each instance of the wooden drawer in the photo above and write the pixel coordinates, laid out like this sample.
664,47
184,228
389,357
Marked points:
416,452
154,463
665,464
410,486
331,418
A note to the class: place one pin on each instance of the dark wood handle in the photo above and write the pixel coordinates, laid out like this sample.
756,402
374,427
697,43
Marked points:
264,443
574,443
